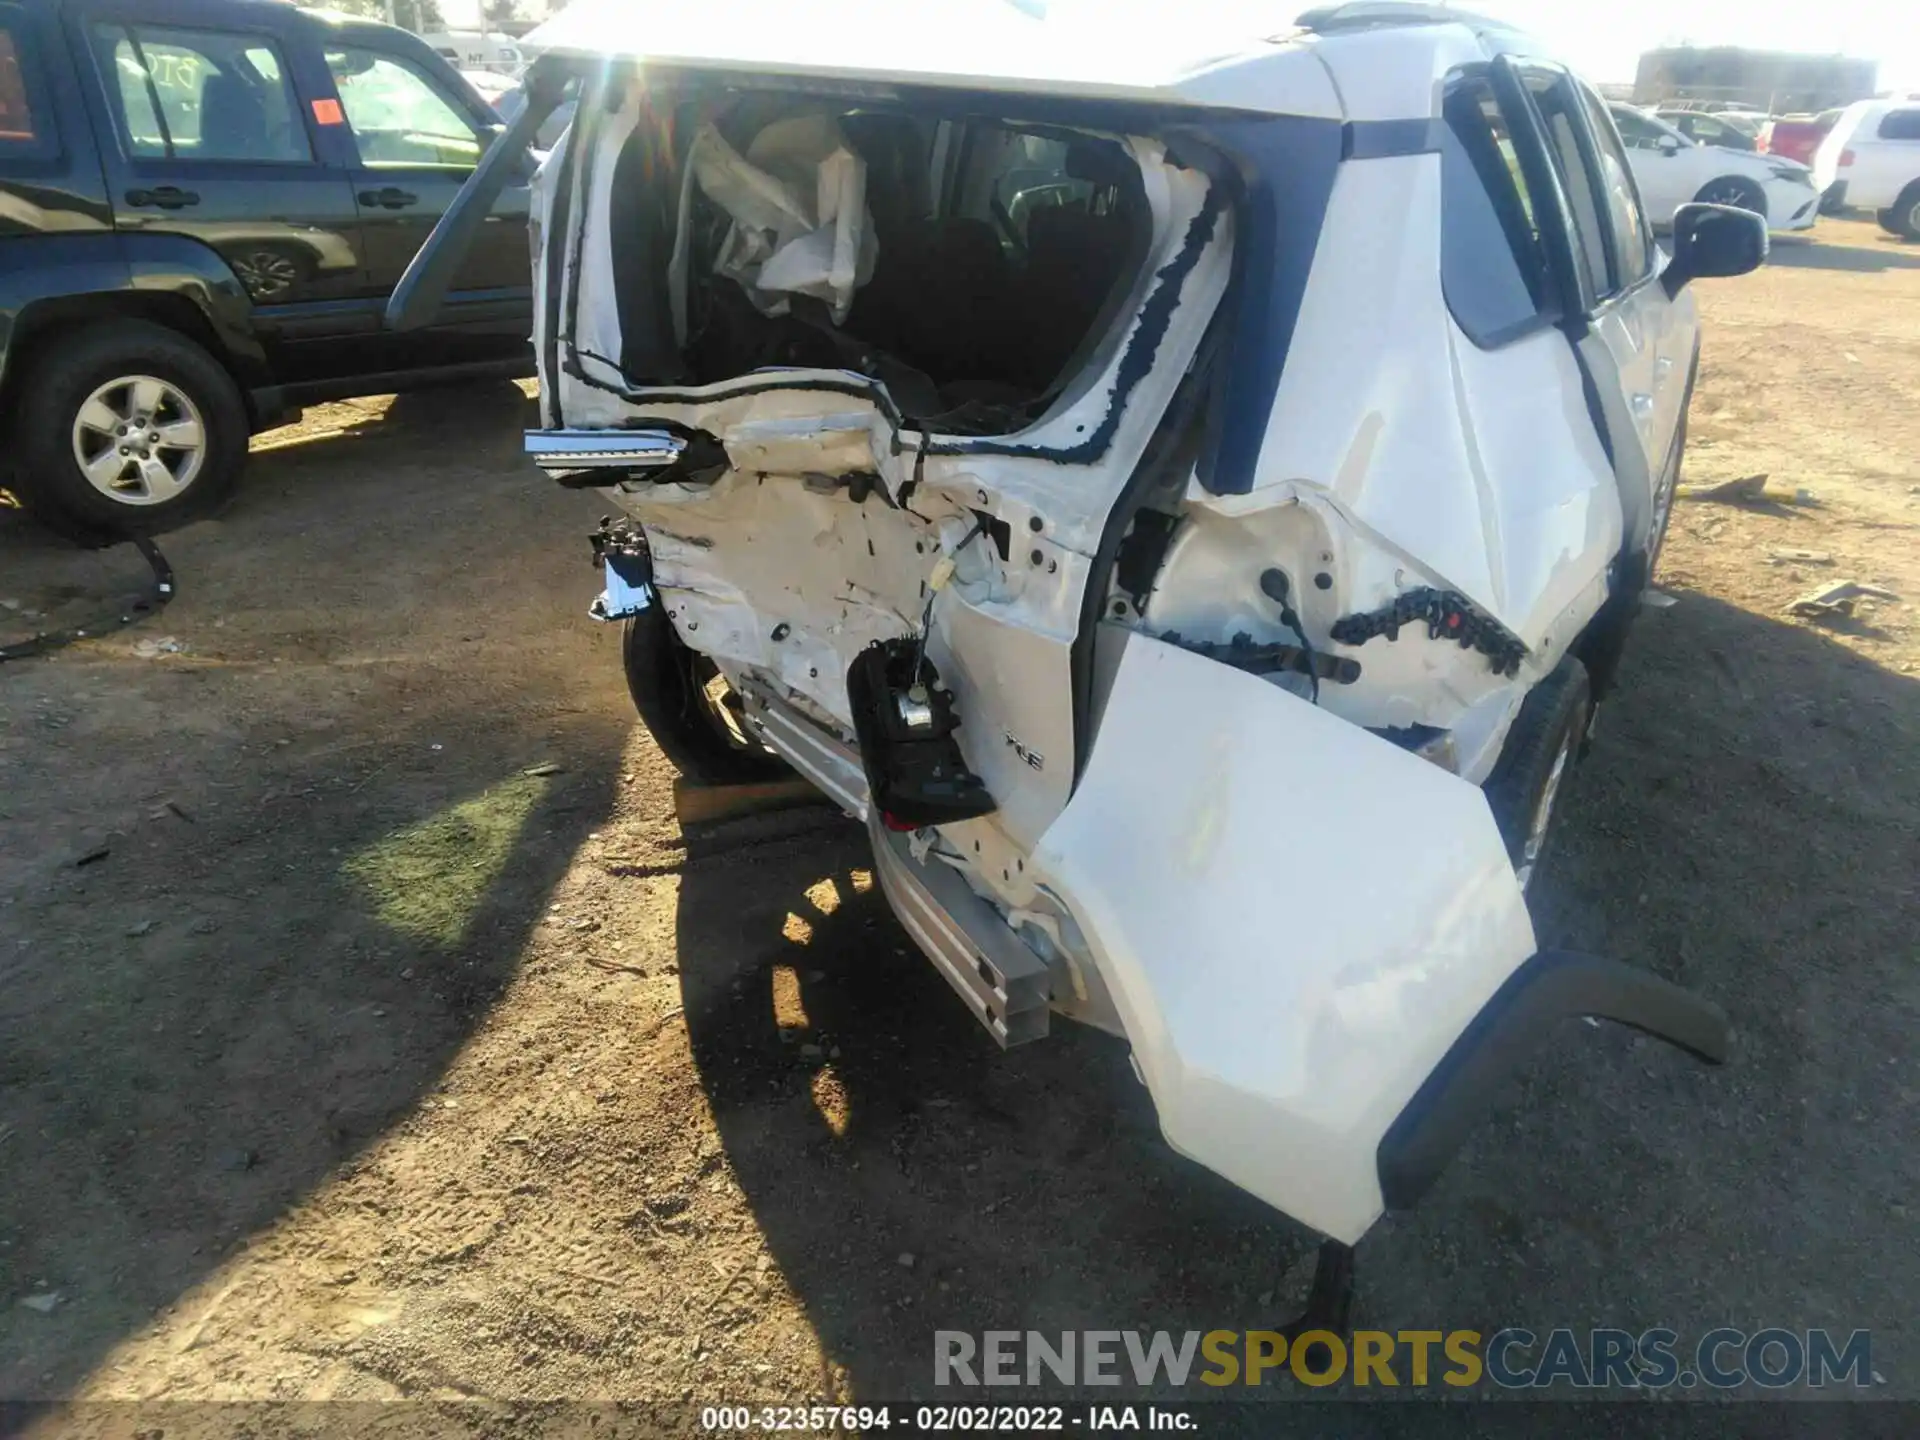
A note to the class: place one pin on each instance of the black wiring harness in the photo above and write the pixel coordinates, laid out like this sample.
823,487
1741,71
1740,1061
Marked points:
1243,653
48,641
1278,588
1448,615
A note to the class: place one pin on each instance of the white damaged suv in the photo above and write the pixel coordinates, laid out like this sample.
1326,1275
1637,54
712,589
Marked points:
1186,493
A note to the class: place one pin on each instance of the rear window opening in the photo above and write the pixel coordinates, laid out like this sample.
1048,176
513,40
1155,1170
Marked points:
971,265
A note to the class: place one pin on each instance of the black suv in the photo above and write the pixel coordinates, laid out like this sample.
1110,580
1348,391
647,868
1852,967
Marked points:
204,205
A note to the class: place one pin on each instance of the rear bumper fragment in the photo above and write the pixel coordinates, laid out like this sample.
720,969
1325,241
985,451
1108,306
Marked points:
1003,982
1553,985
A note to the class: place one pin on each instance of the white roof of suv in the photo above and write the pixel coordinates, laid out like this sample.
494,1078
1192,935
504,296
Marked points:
1355,61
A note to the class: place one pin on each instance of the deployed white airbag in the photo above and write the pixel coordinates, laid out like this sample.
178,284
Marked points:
1295,918
798,200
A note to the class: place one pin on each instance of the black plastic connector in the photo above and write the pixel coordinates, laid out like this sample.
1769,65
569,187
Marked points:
905,723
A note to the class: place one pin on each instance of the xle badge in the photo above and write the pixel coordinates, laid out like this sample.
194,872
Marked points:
1035,760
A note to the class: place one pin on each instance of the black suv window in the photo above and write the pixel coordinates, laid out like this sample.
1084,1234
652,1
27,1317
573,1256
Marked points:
26,127
398,117
200,94
1900,125
1493,267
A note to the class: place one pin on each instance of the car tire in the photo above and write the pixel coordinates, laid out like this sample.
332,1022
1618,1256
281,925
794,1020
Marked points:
1603,644
78,403
1542,747
669,685
1735,190
1904,218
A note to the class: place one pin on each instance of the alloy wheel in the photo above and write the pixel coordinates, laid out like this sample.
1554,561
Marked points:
1731,192
139,440
266,275
721,706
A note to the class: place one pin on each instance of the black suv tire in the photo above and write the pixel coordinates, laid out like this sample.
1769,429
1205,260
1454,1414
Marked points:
668,683
70,372
1541,749
1903,219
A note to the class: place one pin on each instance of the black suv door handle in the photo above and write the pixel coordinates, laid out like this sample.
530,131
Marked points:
167,197
390,198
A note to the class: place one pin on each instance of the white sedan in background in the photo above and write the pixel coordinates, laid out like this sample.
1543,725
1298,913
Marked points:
1672,171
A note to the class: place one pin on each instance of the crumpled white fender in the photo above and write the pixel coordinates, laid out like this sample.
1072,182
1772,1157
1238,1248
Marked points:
1295,919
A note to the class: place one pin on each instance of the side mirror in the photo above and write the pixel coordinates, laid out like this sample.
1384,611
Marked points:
1668,145
1710,241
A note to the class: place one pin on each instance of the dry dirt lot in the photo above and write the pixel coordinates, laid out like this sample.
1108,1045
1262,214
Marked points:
401,1044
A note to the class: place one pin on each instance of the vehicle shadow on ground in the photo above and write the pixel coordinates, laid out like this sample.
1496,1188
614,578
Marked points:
283,1028
909,1175
497,411
291,920
1893,254
1745,827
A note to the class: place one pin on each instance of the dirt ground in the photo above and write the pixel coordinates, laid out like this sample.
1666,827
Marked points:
399,1043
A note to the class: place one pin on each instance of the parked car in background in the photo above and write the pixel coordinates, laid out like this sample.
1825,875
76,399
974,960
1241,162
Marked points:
1870,160
1705,129
513,99
490,85
204,205
507,97
1673,171
1183,491
478,50
1715,107
1796,137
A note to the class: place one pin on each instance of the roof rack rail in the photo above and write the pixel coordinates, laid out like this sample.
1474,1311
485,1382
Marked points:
1371,14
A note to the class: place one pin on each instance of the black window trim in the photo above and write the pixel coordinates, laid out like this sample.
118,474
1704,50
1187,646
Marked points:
1547,312
1552,211
44,153
130,25
1592,103
1562,80
1587,306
